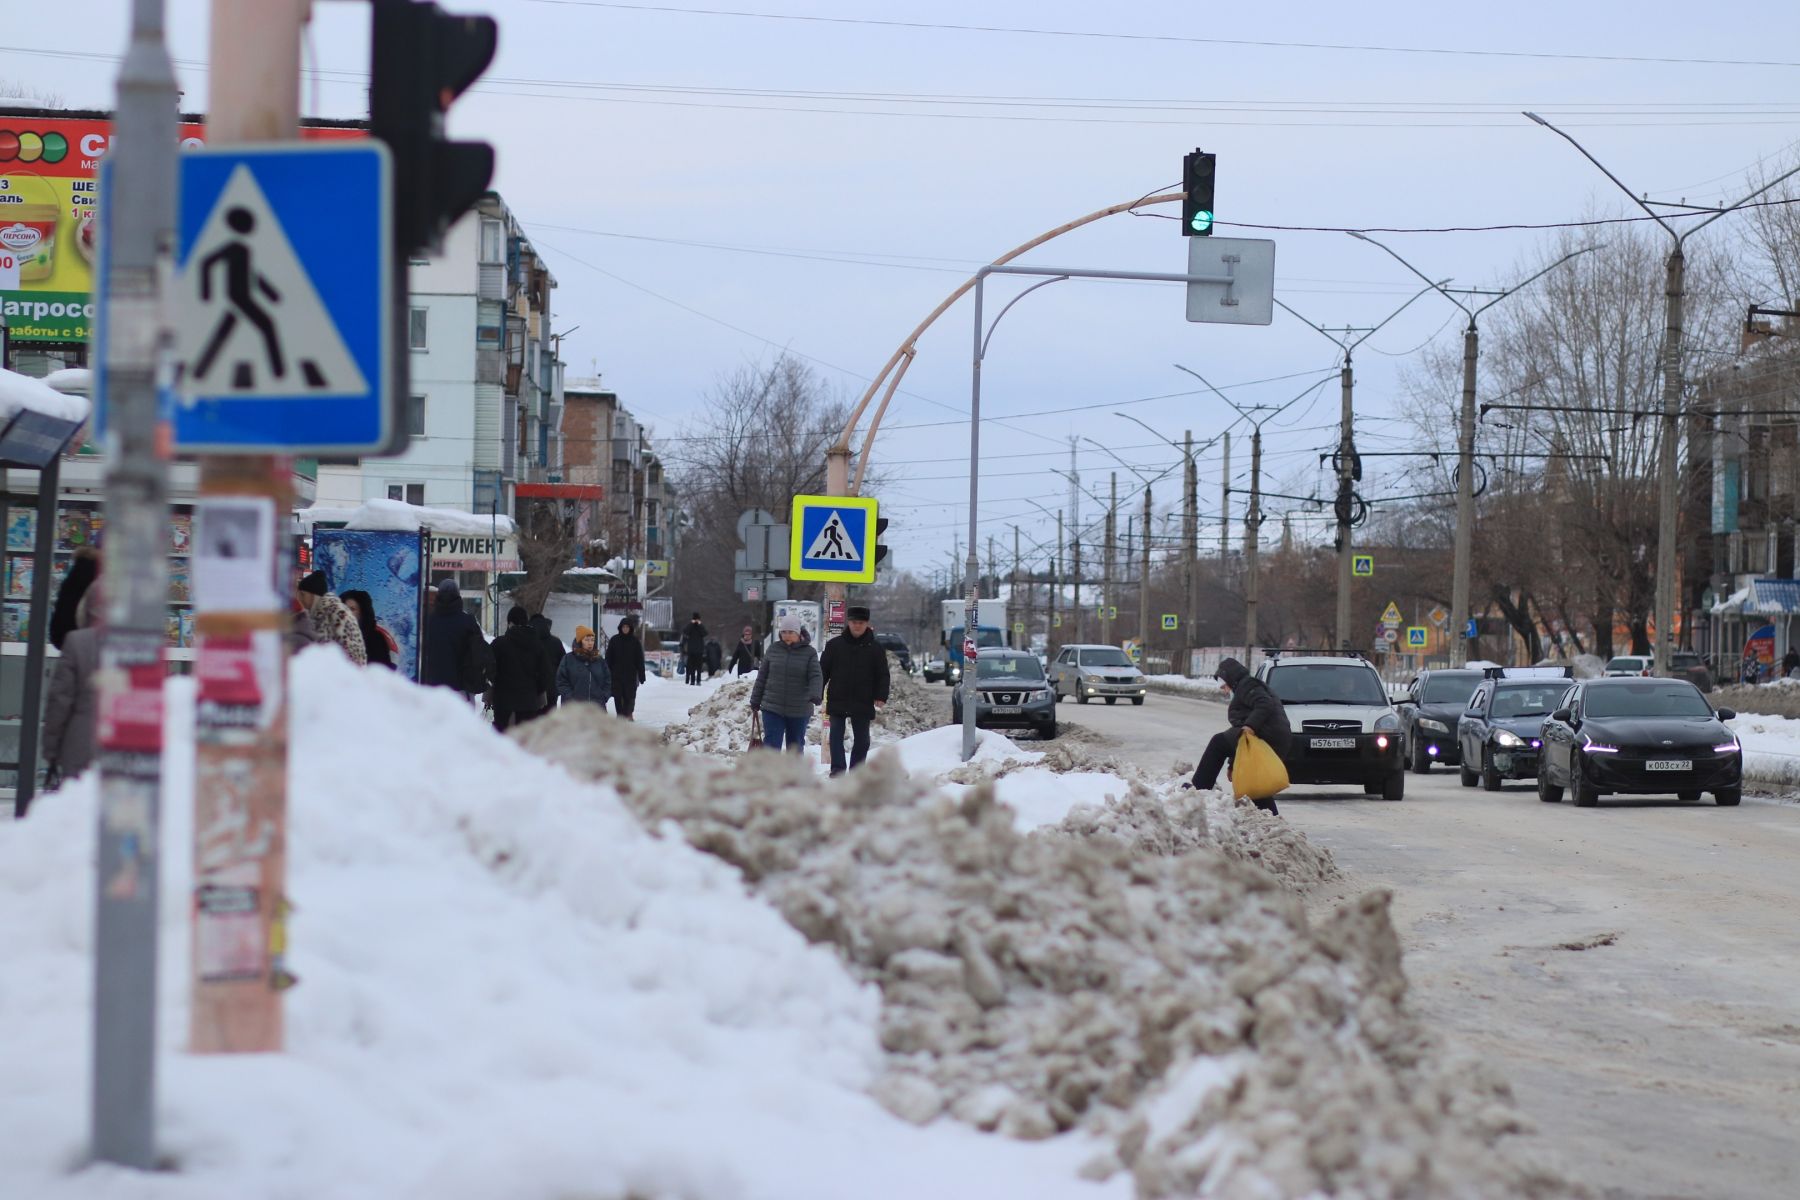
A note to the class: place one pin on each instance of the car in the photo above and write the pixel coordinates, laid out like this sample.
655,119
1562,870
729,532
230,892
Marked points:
1500,733
1089,671
1345,730
1629,664
1685,664
935,669
1010,693
1429,710
1639,737
895,645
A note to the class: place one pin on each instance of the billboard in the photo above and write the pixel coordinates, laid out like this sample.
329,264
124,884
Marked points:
388,566
48,237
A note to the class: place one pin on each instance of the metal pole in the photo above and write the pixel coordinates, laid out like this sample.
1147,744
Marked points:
31,712
1667,507
1075,517
972,565
1108,594
141,233
240,781
1055,577
1465,503
1015,590
1252,543
1190,543
1345,501
1225,509
1144,587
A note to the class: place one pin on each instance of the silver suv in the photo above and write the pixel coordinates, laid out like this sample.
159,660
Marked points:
1085,672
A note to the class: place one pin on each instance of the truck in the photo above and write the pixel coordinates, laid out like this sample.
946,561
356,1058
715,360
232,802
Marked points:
990,630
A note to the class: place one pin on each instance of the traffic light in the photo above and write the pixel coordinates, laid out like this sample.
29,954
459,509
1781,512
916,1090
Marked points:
1197,200
422,58
881,551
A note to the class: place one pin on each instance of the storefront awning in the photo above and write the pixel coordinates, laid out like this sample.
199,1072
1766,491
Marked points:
1763,598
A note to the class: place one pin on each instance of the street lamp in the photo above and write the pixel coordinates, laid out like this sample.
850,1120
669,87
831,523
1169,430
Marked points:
1674,281
1465,461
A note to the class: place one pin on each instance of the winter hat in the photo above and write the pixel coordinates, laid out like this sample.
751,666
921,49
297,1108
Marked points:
518,615
790,624
856,612
582,631
447,585
314,583
1231,671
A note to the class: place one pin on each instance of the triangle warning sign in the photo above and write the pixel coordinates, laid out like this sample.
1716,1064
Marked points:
253,323
832,543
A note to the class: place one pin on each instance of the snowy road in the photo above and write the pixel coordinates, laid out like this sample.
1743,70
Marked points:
1659,1062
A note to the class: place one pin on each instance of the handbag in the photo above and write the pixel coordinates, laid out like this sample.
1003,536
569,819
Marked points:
1257,772
756,736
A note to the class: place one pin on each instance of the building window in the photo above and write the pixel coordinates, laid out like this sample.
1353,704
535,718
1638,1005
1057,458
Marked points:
493,241
415,416
490,321
411,493
415,329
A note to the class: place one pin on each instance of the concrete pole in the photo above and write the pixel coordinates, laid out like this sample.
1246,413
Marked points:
1669,481
1225,510
1190,550
141,233
1026,609
1465,503
1075,526
1075,579
972,566
1346,499
1055,580
240,785
1108,594
837,483
1252,544
1144,586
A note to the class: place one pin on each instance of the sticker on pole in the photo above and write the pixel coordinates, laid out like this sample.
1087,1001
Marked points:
832,539
282,299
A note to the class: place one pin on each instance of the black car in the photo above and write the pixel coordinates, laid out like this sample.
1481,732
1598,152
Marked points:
1434,703
1636,736
1010,692
1501,732
895,645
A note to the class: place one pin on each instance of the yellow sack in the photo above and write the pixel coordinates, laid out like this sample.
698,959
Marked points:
1257,771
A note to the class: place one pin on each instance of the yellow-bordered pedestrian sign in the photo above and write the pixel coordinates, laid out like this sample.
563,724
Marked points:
1415,637
833,539
1362,565
1171,621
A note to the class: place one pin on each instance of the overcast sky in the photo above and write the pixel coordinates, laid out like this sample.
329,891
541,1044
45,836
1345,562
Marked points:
711,187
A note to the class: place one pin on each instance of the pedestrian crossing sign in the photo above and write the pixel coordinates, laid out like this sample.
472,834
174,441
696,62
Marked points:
1415,637
1362,565
1171,621
833,539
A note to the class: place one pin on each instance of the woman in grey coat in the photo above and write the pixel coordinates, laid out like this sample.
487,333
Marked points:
788,687
73,705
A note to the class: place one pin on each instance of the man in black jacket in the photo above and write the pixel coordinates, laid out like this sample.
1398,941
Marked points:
553,654
693,649
856,685
521,675
1253,707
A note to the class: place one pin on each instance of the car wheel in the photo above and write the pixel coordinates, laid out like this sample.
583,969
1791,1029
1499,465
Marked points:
1728,797
1112,699
1138,700
1465,774
1047,732
1082,697
1490,778
1583,795
1689,795
1419,761
1394,787
1548,792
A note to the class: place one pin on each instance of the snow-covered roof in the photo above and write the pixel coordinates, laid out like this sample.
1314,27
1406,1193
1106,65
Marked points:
1732,603
400,516
22,393
73,380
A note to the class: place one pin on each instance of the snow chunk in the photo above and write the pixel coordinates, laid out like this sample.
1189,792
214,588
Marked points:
398,516
21,393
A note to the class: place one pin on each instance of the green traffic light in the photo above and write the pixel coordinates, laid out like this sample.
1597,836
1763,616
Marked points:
1202,221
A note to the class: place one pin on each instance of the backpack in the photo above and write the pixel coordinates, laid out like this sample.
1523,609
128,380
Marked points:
477,670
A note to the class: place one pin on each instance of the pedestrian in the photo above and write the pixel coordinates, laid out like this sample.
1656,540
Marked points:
72,707
788,687
553,652
331,620
625,660
378,643
457,654
746,654
693,648
855,671
715,657
1790,662
82,572
583,675
522,679
1253,707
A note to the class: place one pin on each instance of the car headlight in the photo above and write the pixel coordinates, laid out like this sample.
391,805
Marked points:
1387,721
1434,726
1506,737
1731,747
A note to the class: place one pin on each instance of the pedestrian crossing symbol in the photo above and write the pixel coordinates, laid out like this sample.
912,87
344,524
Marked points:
832,539
283,295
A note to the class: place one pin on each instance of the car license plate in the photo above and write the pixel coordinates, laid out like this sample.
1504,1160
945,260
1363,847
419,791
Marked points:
1006,709
1334,743
1669,764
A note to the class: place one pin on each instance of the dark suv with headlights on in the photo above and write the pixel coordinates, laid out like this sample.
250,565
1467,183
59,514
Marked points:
1501,731
1010,692
1639,737
1434,703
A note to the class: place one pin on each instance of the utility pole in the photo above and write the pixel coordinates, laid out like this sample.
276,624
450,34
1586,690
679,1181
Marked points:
1252,542
1075,581
241,783
1190,548
1225,509
1346,499
1108,593
122,1103
1015,590
993,575
1144,586
1055,577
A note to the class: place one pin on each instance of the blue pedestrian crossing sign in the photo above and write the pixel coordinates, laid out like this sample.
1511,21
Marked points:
1362,565
283,299
1171,621
1415,637
833,539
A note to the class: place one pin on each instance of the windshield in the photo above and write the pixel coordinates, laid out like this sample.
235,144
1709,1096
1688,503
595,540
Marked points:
985,635
1673,699
1527,700
1450,688
1108,656
1627,664
1327,683
1022,669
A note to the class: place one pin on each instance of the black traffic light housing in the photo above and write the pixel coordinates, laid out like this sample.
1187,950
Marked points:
881,551
420,60
1197,198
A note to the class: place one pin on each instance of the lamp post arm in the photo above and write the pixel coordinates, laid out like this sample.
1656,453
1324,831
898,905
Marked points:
1652,213
1363,237
1527,282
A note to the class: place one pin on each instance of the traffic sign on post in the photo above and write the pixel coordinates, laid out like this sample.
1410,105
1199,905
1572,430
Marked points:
833,539
1171,621
1362,565
283,329
1249,297
1471,630
1438,616
1415,637
1391,614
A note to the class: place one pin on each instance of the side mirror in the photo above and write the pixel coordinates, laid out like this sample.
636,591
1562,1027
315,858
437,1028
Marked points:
1726,714
1563,715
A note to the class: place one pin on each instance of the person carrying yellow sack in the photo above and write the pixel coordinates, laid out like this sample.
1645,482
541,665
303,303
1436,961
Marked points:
1253,707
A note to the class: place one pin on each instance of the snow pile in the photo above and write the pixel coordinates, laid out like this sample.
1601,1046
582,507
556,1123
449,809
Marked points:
912,707
507,989
720,723
1128,973
1771,747
21,393
1777,698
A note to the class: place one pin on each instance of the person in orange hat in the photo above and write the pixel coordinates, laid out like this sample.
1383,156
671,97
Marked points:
583,673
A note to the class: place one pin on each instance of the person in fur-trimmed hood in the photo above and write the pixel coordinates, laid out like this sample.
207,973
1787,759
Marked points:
331,620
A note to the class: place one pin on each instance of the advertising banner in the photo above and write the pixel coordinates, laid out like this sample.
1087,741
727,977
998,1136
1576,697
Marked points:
48,195
388,566
465,552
